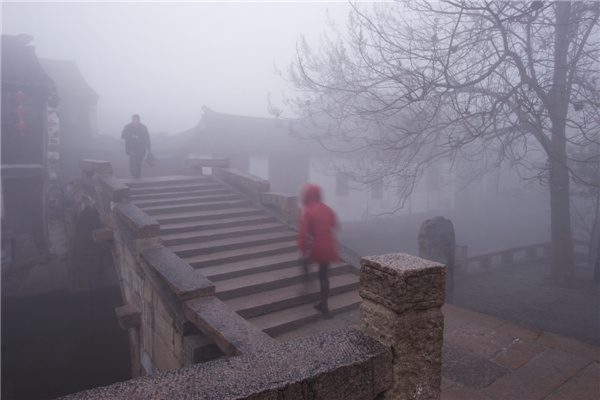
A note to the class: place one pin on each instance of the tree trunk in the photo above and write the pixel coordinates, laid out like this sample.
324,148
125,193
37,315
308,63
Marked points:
563,267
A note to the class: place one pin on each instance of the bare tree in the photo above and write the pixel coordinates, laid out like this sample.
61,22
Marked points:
489,83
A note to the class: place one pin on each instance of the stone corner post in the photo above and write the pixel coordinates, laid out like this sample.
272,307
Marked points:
402,299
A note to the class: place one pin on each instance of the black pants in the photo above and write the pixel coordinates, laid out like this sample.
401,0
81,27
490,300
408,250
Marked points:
135,163
323,279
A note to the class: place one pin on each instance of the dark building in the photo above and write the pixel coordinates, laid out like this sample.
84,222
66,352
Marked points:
30,158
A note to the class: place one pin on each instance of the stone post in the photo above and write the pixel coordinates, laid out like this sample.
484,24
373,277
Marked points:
437,243
402,299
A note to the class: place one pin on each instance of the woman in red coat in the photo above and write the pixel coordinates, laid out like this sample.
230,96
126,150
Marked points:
316,239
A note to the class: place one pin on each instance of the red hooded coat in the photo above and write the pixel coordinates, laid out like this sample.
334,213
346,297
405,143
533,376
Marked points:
316,239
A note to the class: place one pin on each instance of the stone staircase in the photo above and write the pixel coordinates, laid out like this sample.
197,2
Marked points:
249,255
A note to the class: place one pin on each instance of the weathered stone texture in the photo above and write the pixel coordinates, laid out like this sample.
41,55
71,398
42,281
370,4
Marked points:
340,365
402,300
141,223
401,281
128,316
232,333
179,275
207,162
116,190
97,166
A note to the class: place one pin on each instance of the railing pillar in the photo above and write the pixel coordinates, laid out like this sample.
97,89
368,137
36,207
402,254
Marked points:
485,263
402,300
508,257
531,253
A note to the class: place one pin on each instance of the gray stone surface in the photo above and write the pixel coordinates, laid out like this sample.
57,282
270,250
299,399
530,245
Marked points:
402,300
128,316
140,222
116,190
401,281
206,162
179,275
344,364
469,369
98,166
232,333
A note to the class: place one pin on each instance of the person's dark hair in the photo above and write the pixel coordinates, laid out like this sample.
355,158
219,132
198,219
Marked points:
135,116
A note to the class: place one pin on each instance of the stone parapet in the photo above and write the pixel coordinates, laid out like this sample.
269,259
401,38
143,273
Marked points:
402,300
233,334
96,166
341,365
185,282
242,180
116,190
285,206
207,162
141,223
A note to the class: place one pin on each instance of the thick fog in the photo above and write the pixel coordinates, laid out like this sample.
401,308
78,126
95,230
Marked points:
164,60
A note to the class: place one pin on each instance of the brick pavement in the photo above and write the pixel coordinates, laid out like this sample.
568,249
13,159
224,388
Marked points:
489,358
486,358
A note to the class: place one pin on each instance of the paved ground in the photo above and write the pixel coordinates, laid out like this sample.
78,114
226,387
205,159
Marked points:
485,357
523,294
533,348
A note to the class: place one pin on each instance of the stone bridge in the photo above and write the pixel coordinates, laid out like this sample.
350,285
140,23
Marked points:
214,302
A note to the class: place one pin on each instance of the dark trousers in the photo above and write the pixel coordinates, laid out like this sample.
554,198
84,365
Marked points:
135,163
323,279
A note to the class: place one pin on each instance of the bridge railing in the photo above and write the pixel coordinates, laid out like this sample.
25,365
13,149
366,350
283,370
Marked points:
167,302
465,264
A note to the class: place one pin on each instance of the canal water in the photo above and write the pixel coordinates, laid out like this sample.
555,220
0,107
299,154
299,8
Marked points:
57,344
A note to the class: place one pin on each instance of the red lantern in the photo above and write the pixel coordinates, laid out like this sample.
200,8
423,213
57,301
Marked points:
21,111
20,96
22,126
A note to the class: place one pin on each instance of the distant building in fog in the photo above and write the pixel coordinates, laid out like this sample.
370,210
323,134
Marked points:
264,147
78,104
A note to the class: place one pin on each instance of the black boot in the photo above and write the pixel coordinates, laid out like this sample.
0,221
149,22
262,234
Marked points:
322,305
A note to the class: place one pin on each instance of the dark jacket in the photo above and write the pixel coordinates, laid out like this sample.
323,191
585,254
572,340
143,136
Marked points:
316,239
137,138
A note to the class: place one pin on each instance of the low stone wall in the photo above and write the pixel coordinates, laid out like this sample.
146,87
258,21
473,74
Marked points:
284,207
396,353
344,364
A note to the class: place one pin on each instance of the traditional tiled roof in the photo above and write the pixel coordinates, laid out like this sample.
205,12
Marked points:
70,83
20,65
235,134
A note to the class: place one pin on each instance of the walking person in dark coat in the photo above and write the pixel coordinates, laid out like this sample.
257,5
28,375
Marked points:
316,239
137,141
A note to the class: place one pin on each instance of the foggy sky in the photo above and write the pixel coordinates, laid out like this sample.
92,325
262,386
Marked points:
164,60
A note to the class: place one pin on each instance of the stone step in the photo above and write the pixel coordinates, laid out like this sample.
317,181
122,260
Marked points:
206,215
179,188
279,298
232,243
250,284
191,226
221,233
173,180
186,198
191,191
246,253
198,206
204,349
285,321
249,266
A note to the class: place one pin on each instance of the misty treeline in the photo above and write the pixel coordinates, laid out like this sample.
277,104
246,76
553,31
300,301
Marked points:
482,85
